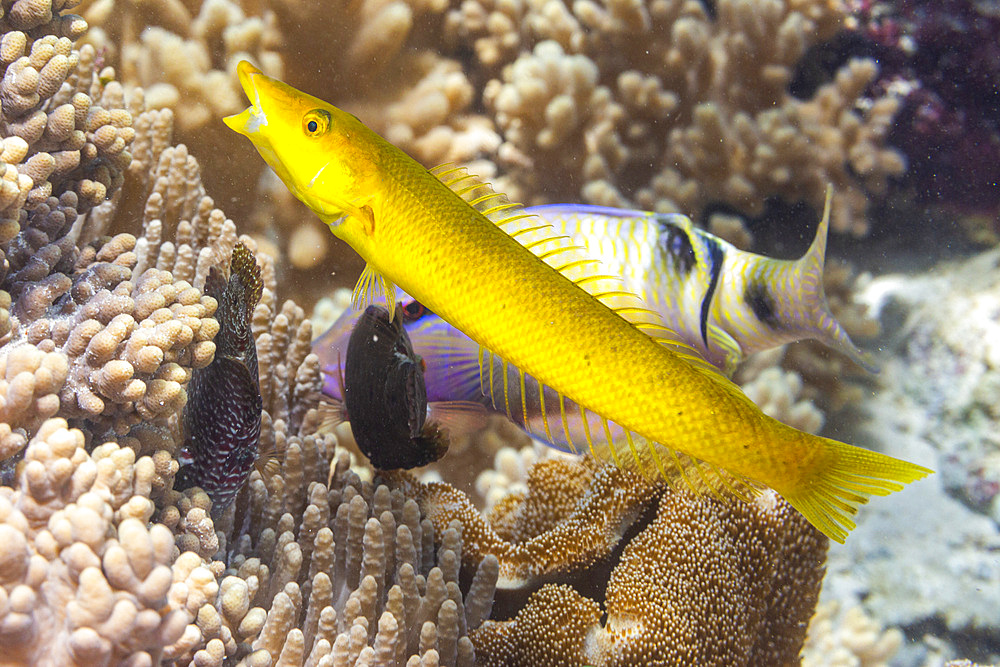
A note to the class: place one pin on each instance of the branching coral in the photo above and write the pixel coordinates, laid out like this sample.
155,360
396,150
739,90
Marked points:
183,60
86,579
657,103
661,105
333,566
848,637
129,332
777,391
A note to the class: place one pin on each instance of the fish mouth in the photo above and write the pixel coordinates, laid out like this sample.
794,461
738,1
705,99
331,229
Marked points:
249,121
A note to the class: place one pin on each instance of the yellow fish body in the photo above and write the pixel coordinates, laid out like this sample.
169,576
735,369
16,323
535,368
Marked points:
525,300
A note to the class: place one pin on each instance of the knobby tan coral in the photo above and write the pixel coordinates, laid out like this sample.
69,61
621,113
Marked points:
334,568
86,578
841,637
706,583
107,328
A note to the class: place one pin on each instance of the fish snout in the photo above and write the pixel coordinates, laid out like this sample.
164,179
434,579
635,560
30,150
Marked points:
249,121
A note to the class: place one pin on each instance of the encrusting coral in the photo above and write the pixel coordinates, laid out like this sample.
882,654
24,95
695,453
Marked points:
702,582
571,517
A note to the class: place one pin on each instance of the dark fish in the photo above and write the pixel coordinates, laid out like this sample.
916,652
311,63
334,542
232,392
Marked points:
222,416
385,397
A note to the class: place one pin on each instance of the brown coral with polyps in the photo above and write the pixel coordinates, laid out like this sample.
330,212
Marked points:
570,518
706,583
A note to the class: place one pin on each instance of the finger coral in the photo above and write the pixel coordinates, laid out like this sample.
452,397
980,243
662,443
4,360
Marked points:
337,567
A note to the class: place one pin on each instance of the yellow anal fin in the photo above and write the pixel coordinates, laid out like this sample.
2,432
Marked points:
564,418
506,392
493,399
651,459
482,376
545,415
524,399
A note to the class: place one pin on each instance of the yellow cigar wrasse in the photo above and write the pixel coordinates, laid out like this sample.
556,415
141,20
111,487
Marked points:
489,270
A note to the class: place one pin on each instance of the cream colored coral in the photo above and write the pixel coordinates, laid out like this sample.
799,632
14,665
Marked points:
431,120
30,381
509,473
777,393
365,580
839,637
86,578
543,96
134,360
183,61
492,27
48,91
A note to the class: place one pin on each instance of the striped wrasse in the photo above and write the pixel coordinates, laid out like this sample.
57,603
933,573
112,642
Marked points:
725,302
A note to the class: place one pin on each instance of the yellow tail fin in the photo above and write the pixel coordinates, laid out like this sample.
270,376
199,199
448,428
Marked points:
844,480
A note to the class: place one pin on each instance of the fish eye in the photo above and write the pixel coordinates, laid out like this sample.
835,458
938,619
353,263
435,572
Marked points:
316,122
413,311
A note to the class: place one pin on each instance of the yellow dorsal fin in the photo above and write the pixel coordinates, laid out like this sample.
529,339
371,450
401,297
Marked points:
572,261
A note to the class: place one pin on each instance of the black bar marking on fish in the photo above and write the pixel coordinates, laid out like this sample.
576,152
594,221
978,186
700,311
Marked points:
758,297
716,254
678,246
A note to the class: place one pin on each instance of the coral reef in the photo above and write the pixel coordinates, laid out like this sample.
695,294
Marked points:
952,350
108,235
945,60
668,104
935,400
95,332
848,638
347,570
86,579
704,583
752,570
571,517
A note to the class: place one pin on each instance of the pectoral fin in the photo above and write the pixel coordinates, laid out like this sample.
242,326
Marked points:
719,338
